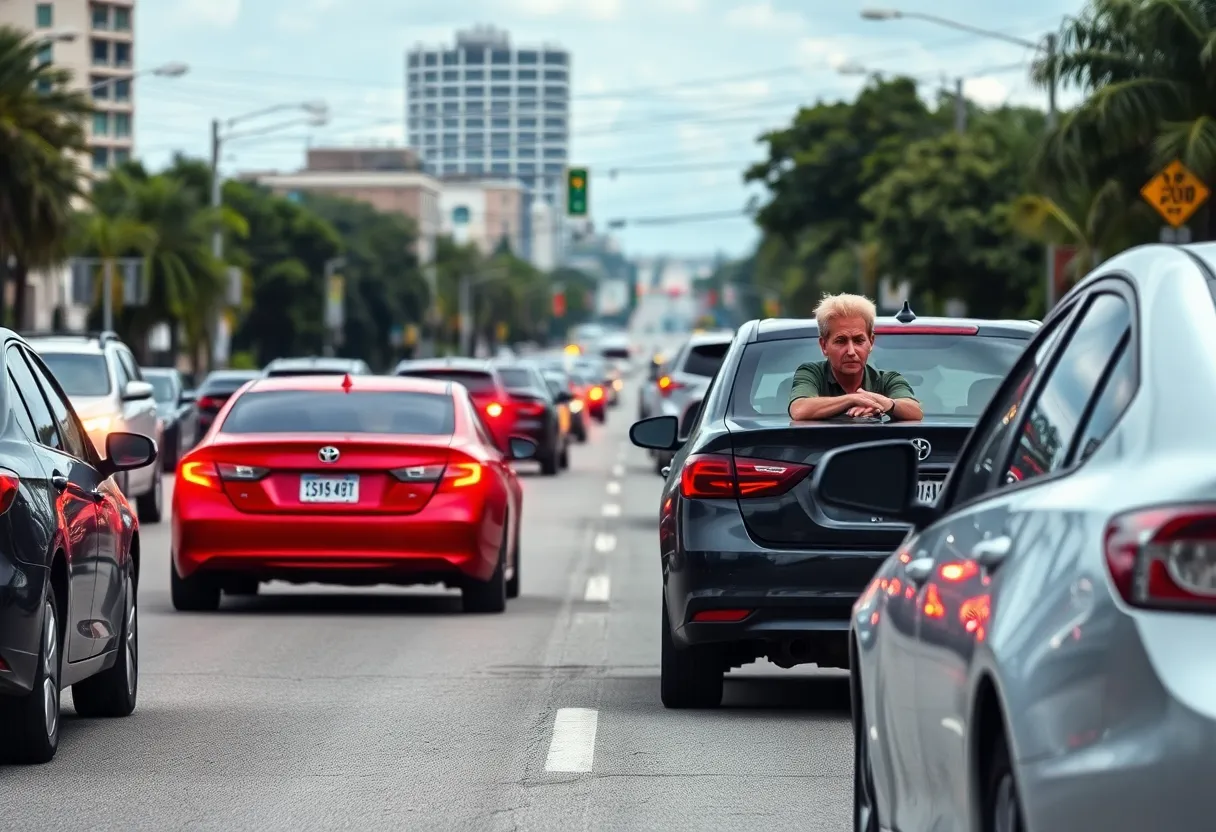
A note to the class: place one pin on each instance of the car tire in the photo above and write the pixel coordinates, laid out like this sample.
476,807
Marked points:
242,587
151,506
1002,806
513,584
198,593
112,693
551,463
865,810
29,724
690,677
564,459
488,596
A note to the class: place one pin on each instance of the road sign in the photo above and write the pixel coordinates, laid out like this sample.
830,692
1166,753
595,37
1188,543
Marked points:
1176,193
576,192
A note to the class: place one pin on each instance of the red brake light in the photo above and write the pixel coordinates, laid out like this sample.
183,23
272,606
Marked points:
528,407
667,384
913,329
493,410
1164,558
10,486
719,476
597,393
199,473
208,403
721,615
460,475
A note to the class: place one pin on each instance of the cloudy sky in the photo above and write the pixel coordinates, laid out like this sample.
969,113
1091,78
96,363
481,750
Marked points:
657,84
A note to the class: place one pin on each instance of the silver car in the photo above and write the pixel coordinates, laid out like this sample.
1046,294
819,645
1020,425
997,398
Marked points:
1037,655
107,389
686,378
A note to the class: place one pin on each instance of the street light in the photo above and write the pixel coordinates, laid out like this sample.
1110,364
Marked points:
1048,44
170,70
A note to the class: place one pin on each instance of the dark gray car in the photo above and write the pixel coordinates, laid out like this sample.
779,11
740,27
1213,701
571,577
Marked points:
178,413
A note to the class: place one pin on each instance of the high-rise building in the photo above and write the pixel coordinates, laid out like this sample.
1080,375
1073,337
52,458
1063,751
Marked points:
486,107
96,42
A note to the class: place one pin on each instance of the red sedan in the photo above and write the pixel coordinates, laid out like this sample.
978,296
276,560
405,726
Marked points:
358,481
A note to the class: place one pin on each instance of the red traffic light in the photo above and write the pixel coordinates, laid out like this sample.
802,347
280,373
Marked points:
559,305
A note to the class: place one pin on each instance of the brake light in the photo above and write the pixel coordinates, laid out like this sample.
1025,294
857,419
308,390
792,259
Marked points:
450,476
667,384
1164,558
199,473
527,407
10,487
721,615
208,403
494,410
241,473
912,329
597,393
719,476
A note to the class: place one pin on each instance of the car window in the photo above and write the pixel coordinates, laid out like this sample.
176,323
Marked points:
517,378
129,364
309,411
45,431
164,389
20,412
1051,425
1116,395
475,382
120,372
704,359
74,440
79,374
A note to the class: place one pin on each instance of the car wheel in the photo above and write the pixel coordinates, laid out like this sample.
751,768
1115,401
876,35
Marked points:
150,506
243,587
689,677
865,809
29,724
1002,806
198,593
513,584
552,462
491,595
564,459
112,692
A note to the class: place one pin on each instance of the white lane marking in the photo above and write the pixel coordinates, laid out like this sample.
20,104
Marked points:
573,745
618,470
612,510
614,488
605,543
598,589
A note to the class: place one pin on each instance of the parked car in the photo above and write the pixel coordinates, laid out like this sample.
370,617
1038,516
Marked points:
754,566
70,566
107,388
178,411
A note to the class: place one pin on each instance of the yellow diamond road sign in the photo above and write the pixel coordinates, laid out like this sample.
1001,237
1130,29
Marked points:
1176,193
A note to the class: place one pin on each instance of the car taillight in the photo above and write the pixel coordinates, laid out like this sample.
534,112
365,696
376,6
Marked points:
527,407
208,403
1164,558
493,410
452,476
718,476
667,384
10,486
201,473
596,393
241,473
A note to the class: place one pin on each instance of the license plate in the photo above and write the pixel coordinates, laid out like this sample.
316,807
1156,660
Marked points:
927,490
315,489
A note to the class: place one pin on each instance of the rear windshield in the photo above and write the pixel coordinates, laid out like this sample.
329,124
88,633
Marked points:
615,352
311,411
705,359
474,381
223,384
517,379
951,375
79,374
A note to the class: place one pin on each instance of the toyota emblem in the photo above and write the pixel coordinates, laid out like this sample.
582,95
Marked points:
922,449
329,454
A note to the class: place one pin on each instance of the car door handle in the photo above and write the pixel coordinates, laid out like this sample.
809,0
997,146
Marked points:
62,484
665,470
991,552
918,570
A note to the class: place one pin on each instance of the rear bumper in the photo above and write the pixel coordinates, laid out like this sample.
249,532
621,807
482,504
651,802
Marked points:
22,588
450,540
543,434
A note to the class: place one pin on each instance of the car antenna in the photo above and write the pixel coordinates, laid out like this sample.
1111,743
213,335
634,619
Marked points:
906,315
346,383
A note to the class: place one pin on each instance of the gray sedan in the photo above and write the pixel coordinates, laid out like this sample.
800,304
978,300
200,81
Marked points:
1037,655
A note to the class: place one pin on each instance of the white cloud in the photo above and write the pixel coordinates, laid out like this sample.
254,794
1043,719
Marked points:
219,13
987,92
764,17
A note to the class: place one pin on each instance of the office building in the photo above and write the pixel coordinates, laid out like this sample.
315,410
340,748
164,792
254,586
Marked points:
486,107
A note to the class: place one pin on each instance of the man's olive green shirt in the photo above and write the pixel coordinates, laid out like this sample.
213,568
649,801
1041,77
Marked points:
815,378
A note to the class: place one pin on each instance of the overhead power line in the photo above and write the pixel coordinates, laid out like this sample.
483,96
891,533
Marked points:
681,219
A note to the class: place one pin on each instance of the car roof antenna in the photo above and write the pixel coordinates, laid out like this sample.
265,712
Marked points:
906,315
346,383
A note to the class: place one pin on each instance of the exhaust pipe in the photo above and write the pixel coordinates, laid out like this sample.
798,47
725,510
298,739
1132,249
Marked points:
793,652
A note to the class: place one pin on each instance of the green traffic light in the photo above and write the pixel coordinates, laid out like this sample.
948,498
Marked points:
576,192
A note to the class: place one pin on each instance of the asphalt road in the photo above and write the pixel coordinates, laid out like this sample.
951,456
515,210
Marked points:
312,708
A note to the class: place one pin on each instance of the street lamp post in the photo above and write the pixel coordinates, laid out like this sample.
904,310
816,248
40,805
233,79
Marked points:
172,69
1049,44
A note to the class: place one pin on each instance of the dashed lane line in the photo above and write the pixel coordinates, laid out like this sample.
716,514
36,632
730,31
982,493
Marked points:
614,488
598,589
605,543
612,510
572,749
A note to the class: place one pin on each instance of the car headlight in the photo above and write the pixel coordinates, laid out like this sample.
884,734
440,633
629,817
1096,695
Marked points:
576,406
98,424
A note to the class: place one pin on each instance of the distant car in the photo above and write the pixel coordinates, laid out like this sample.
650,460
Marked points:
388,480
178,413
753,565
484,383
69,565
214,392
315,366
539,414
685,378
107,388
559,382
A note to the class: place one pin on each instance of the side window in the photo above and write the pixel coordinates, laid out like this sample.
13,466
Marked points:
120,372
45,432
130,365
975,472
74,440
20,412
1116,395
1051,425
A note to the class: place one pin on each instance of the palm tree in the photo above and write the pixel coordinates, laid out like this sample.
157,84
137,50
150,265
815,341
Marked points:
41,138
1148,68
111,238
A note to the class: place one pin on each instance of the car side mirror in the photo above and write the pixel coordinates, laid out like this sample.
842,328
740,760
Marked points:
188,397
127,451
877,478
521,448
137,391
658,433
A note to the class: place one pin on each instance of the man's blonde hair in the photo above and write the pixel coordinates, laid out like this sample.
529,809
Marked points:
844,305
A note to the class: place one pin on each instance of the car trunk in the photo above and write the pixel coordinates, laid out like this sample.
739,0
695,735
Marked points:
284,474
793,518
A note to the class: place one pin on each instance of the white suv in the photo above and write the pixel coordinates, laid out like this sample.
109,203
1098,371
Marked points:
103,381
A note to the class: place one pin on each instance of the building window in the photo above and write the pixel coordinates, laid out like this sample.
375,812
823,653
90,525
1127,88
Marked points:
477,169
101,16
430,77
500,153
45,55
429,123
101,52
500,92
451,106
101,158
500,138
100,89
415,140
44,15
555,58
451,59
500,106
474,107
500,56
556,75
413,60
121,155
451,138
559,123
526,153
500,75
530,104
527,122
527,92
501,123
431,108
527,75
122,125
475,75
449,75
122,89
451,92
527,138
430,60
122,55
501,169
474,92
555,106
555,92
475,153
527,168
475,124
122,19
554,170
451,123
474,56
527,58
101,124
555,153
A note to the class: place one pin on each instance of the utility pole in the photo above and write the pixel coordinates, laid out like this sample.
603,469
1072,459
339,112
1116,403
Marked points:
466,315
1052,53
107,301
960,107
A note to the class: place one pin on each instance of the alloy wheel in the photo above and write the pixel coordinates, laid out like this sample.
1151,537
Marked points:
50,672
132,645
1006,814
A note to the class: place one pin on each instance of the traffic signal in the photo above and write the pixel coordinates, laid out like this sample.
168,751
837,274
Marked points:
559,303
576,192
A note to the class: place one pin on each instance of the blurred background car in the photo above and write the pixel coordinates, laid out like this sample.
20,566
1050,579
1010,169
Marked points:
178,413
560,382
484,383
315,366
538,415
215,390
